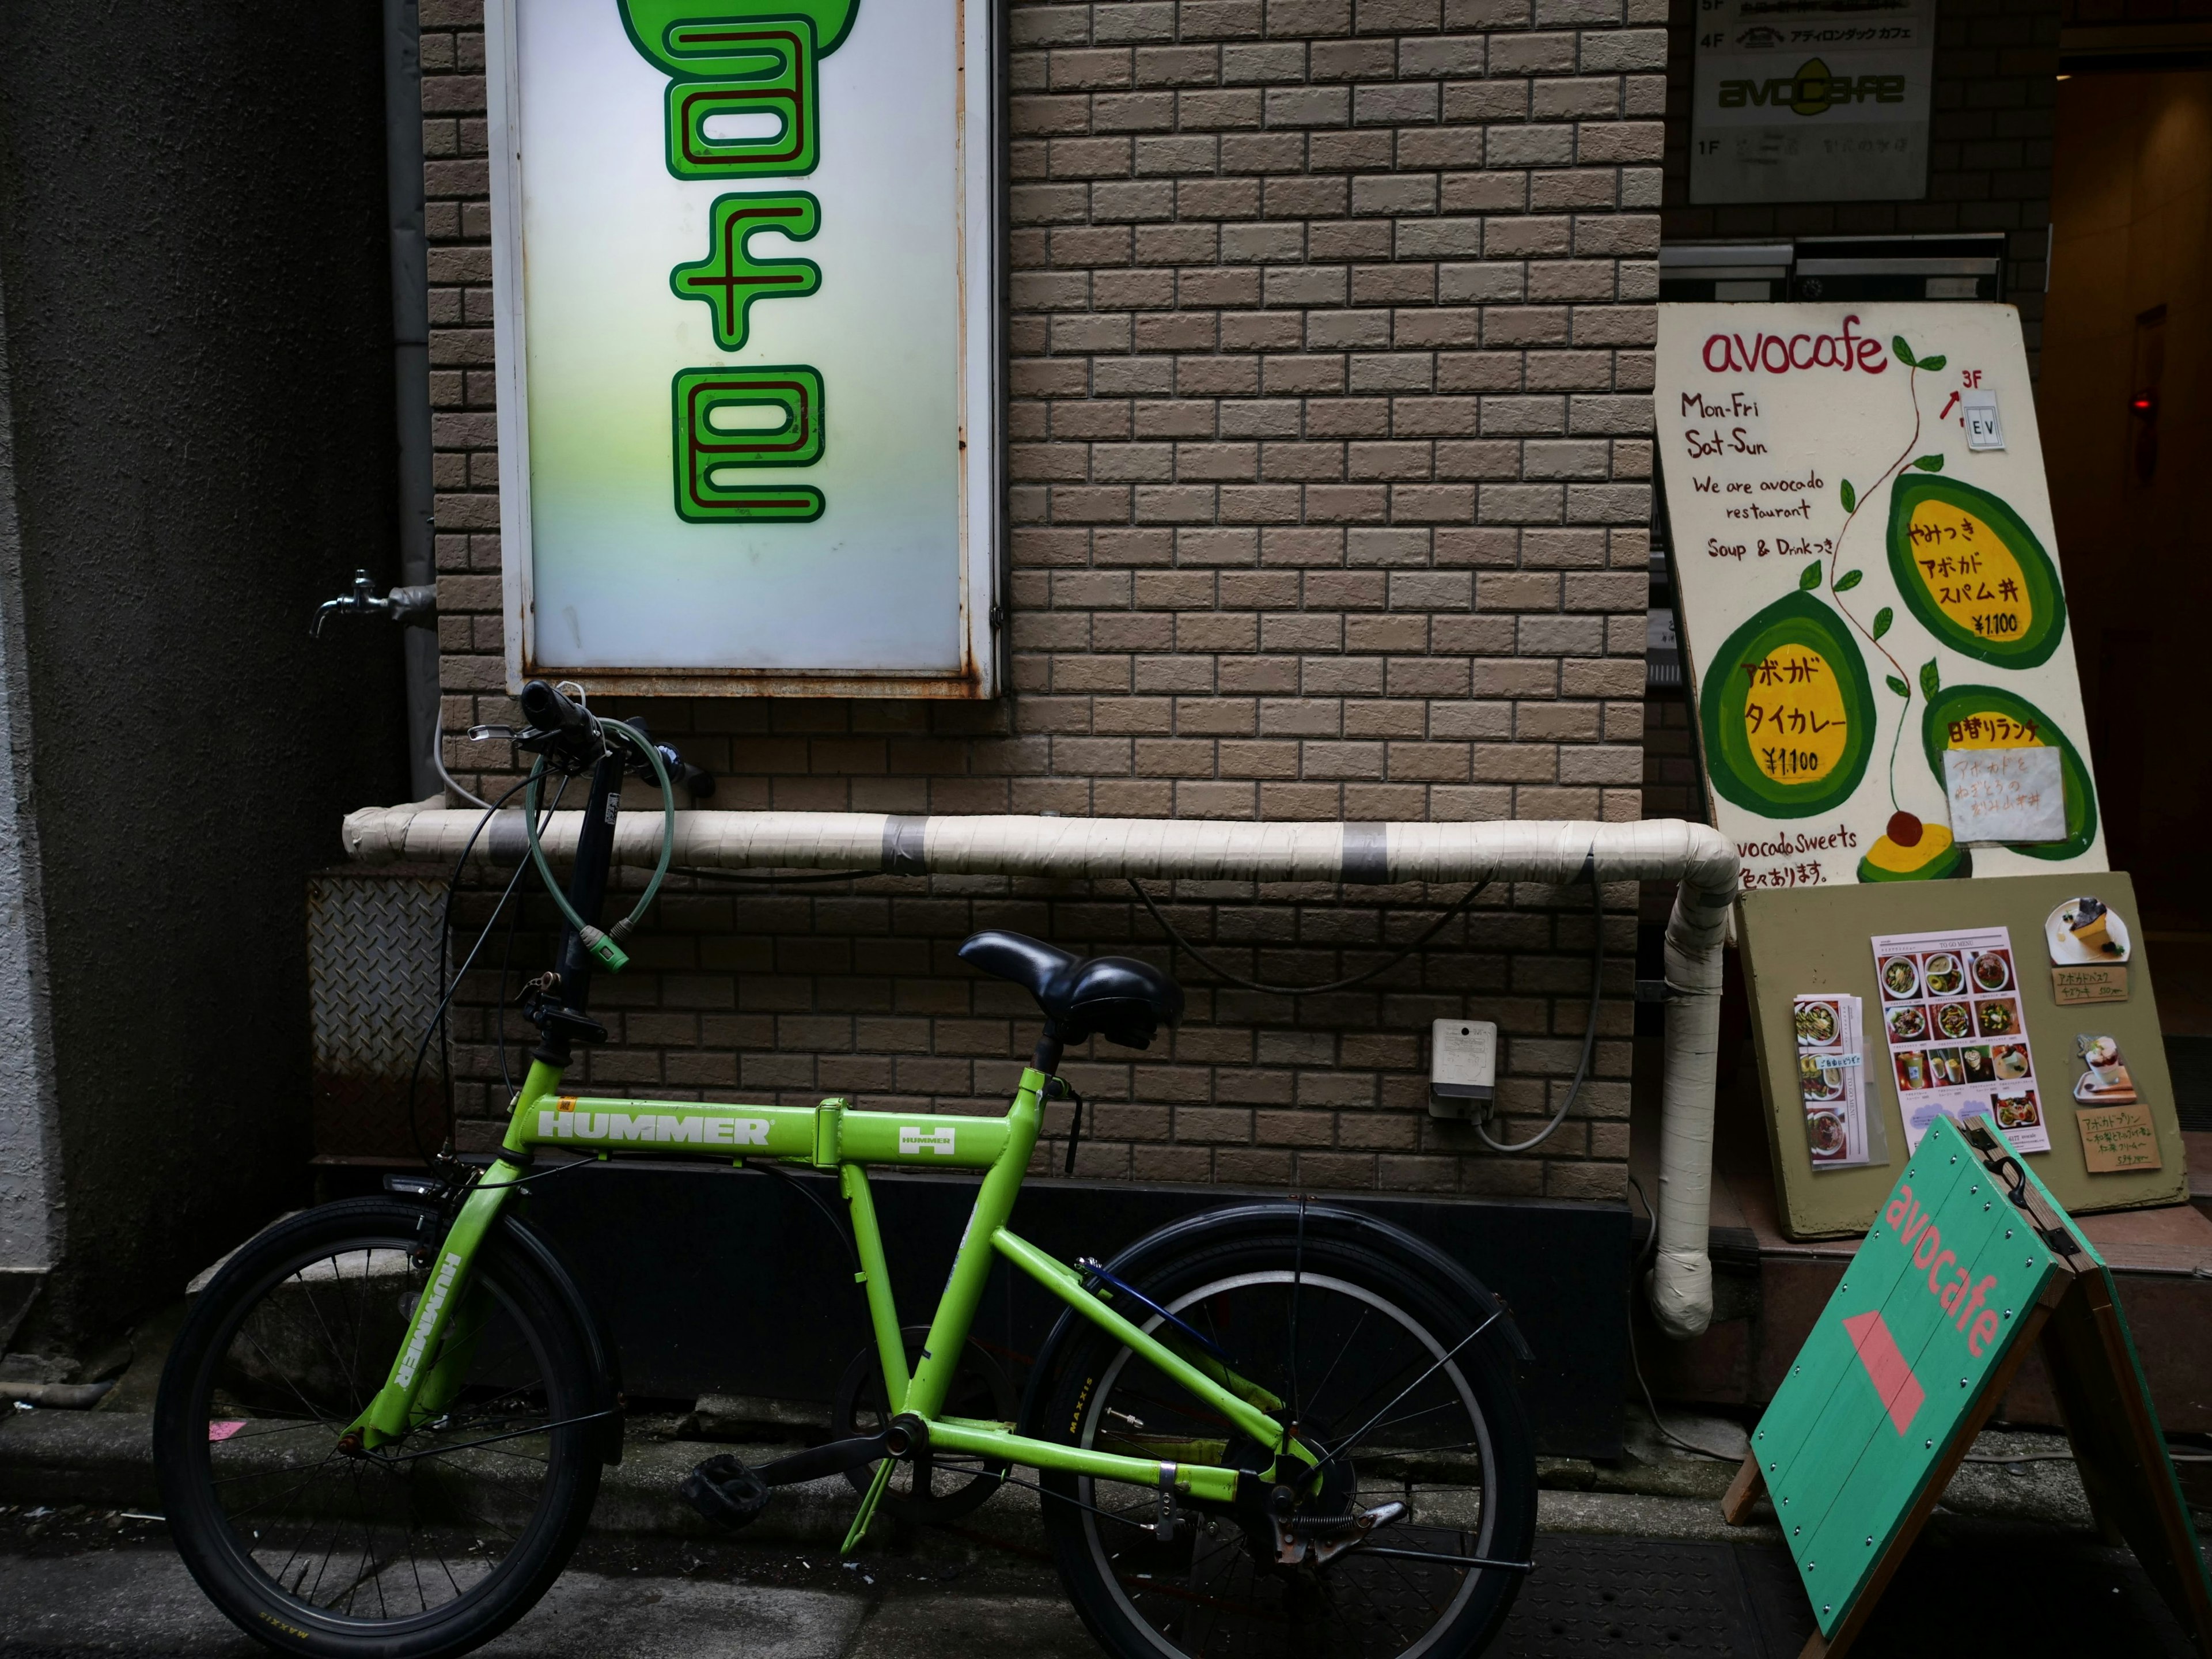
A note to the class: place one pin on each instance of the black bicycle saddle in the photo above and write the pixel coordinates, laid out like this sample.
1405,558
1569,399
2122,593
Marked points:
1118,997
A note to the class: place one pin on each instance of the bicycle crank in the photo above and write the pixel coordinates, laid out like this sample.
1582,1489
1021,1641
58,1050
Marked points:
730,1495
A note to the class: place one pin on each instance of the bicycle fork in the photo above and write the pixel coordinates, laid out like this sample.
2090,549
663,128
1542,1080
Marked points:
442,1335
434,1353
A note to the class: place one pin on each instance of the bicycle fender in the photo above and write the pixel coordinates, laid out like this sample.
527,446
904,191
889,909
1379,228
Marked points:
606,1358
1270,1218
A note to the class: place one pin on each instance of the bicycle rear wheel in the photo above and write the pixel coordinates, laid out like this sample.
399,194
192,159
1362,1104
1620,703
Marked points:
1370,1362
418,1550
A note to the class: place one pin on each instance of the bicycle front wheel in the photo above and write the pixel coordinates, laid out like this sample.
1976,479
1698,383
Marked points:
1425,1439
418,1550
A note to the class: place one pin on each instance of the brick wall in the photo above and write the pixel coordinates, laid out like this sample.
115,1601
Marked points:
1990,137
1330,340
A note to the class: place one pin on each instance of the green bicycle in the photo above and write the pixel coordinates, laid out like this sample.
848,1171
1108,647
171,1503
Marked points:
1271,1427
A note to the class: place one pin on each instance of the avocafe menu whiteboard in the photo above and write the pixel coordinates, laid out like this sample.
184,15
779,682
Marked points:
1874,622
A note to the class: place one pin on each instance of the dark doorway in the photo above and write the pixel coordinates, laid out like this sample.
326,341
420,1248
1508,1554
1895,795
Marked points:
2125,405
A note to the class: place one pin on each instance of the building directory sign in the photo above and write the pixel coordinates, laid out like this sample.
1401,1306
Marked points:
1824,101
1872,609
745,277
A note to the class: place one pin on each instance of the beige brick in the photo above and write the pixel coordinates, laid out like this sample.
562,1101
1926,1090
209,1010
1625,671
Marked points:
1330,463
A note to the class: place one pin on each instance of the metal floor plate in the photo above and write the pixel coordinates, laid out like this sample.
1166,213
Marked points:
1627,1595
1637,1595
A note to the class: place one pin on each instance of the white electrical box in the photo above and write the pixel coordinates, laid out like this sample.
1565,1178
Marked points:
1462,1067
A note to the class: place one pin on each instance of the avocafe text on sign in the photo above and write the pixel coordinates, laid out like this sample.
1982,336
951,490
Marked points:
1813,102
1931,1304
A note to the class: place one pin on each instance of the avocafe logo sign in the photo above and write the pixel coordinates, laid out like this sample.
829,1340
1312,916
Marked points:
1812,91
744,102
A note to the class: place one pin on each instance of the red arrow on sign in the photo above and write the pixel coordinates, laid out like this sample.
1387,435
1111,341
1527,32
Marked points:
1899,1390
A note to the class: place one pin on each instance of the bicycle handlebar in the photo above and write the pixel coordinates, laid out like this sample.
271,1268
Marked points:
550,711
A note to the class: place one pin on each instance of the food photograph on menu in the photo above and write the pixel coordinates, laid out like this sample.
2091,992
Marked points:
1958,1044
1832,1083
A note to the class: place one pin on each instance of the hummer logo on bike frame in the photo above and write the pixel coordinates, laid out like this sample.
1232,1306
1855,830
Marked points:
382,1428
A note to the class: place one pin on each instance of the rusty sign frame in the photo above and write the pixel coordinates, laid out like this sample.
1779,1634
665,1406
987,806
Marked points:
979,188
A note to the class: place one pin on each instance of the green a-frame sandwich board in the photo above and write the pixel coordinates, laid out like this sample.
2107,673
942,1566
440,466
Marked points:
1970,1264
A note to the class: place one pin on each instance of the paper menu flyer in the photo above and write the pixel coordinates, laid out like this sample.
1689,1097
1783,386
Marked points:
1840,1132
1951,1015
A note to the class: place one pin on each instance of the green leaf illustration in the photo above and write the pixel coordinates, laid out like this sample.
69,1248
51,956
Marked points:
1931,364
1848,581
1882,618
1929,462
1904,351
1810,580
1931,681
1899,687
1850,497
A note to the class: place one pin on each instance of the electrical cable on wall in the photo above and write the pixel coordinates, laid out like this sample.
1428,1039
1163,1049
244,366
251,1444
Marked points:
1589,1028
1238,979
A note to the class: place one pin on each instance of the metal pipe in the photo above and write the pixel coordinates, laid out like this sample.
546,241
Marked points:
1656,849
410,371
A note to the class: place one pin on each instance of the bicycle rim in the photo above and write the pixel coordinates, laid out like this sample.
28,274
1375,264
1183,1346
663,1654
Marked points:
413,1539
1373,1383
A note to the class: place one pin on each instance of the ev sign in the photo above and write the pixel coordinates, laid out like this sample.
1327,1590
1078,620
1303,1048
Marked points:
745,276
1969,1265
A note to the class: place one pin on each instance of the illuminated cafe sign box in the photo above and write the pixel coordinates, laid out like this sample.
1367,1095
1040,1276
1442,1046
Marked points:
745,278
1795,100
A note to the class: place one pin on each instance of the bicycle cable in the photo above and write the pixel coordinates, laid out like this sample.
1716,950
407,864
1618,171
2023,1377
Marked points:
852,1250
607,945
437,1024
436,1021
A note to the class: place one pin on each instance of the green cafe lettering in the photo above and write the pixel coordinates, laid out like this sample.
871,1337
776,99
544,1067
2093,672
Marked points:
744,102
1813,91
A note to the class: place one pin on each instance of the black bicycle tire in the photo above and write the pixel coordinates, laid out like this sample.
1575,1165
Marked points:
202,1534
1485,1363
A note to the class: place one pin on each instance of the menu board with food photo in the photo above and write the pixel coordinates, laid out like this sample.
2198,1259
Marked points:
1841,1133
1958,1044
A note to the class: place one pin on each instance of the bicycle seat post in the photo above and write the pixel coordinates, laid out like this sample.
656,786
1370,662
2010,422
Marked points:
1048,1050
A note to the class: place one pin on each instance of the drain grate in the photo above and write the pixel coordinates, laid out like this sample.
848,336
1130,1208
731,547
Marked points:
1634,1596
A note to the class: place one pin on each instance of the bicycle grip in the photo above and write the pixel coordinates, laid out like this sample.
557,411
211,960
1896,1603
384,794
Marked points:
549,711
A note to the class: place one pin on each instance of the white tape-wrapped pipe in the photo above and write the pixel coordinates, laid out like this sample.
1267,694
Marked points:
1662,849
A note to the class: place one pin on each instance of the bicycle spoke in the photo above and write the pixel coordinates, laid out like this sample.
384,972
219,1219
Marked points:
1359,1325
428,1521
1217,1591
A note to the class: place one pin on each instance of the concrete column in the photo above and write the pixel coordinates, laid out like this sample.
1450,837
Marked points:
31,1206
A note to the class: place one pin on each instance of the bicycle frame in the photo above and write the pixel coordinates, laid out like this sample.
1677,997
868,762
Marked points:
833,1136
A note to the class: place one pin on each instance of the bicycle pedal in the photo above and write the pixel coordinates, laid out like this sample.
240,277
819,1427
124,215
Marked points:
726,1491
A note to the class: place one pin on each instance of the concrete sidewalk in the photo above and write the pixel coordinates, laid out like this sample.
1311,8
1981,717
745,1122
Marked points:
73,1586
104,1459
1632,1558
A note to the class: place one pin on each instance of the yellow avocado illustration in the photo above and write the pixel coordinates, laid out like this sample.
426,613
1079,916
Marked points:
1913,851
